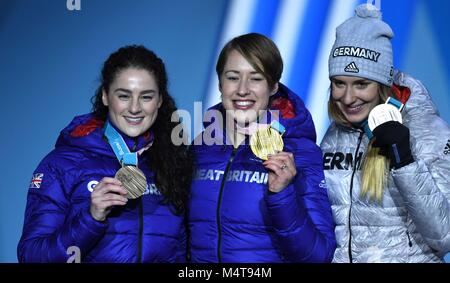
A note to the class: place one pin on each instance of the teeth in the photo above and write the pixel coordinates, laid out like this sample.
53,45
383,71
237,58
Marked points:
133,119
243,103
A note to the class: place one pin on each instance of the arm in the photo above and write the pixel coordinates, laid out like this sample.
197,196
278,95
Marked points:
423,179
425,183
50,225
427,202
301,213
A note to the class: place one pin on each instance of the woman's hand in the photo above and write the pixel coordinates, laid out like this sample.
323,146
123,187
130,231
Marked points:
281,170
394,137
108,193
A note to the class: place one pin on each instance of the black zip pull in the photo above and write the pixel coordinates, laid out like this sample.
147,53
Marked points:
409,239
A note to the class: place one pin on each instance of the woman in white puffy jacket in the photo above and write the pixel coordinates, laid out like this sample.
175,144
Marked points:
388,173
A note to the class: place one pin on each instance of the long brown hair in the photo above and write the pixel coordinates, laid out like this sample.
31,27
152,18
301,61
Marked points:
173,165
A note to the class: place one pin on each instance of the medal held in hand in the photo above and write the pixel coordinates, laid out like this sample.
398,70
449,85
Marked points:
133,180
131,177
389,111
267,141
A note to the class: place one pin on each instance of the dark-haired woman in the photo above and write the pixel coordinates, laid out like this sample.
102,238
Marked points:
114,189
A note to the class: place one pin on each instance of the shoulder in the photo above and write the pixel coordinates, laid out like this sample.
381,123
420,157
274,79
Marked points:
332,135
429,132
61,161
419,102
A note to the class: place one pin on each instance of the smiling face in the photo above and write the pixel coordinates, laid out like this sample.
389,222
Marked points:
244,90
133,101
355,97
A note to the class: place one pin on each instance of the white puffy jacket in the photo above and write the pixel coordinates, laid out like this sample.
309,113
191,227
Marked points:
412,224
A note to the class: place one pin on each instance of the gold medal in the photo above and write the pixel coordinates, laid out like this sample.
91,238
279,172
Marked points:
266,141
133,180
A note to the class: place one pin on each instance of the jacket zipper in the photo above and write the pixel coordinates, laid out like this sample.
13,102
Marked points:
407,232
355,167
409,239
219,203
141,217
141,230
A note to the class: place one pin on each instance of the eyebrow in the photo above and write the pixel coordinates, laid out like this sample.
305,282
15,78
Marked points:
361,81
354,82
235,71
147,91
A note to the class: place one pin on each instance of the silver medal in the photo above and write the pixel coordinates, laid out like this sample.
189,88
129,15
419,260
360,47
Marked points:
383,113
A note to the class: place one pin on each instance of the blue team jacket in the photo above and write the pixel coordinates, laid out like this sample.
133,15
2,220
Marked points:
57,214
233,218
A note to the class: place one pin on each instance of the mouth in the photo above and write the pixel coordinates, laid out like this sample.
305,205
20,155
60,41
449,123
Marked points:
243,104
354,109
133,120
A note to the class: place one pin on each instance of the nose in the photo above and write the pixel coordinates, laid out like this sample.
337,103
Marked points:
349,97
135,106
243,88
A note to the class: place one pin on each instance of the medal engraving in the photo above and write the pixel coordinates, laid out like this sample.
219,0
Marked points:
133,180
266,141
383,113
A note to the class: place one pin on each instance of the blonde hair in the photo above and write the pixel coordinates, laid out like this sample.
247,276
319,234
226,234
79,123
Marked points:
375,166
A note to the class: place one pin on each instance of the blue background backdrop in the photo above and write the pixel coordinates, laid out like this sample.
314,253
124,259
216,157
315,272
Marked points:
51,57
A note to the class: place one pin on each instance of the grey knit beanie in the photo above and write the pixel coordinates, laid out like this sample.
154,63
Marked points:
363,47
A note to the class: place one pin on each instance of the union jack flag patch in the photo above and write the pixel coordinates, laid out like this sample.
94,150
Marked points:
36,181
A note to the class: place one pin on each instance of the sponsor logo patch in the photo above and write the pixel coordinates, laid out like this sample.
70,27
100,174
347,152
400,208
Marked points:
351,68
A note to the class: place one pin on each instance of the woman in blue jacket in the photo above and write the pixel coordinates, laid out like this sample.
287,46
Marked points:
246,209
115,187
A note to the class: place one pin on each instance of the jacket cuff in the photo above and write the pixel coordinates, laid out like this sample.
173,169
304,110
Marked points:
92,227
411,167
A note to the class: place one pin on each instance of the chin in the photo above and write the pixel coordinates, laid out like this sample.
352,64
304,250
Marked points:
246,118
355,120
244,121
133,132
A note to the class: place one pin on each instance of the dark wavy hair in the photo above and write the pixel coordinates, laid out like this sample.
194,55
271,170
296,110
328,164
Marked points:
172,165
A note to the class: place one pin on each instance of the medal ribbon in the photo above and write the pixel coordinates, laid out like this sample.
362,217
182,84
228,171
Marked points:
254,127
119,146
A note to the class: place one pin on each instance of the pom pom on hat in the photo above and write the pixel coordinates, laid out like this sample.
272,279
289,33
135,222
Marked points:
368,11
363,47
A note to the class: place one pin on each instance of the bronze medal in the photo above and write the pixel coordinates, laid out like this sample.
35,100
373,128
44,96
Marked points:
266,141
133,180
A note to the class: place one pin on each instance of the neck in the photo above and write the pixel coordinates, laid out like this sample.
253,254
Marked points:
233,135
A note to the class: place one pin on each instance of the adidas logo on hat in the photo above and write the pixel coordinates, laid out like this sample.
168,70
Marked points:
351,68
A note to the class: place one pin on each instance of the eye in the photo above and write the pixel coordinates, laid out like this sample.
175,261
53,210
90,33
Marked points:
124,96
338,84
232,78
361,85
146,97
257,79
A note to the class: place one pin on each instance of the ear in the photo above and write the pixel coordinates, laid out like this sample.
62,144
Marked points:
104,98
274,90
